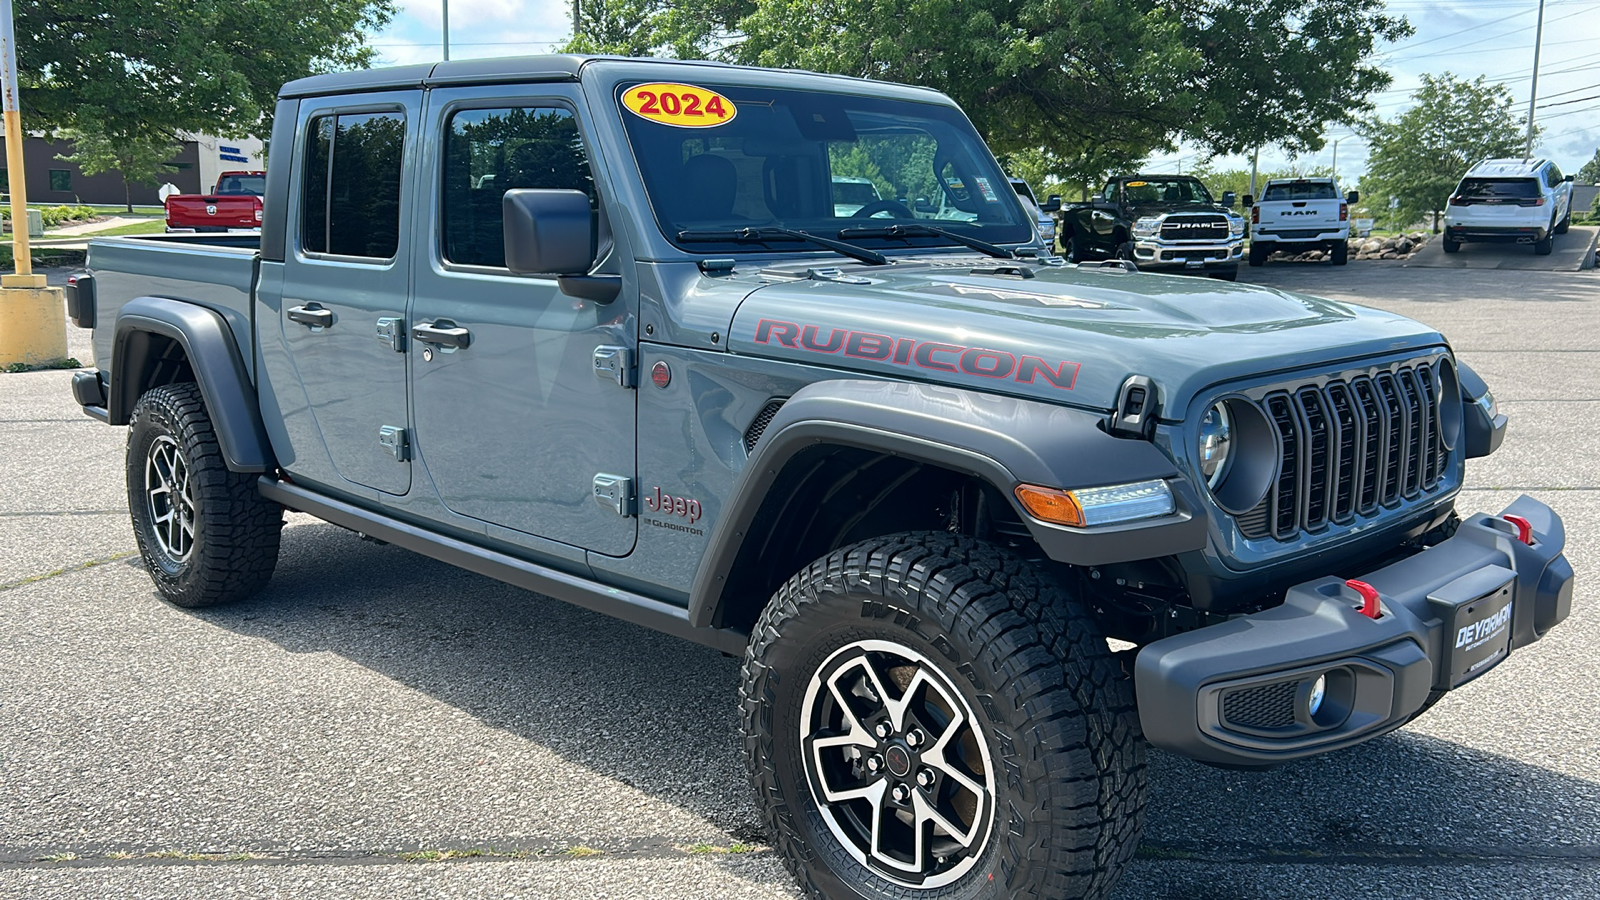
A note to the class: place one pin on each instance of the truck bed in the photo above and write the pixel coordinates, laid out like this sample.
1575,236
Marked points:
217,271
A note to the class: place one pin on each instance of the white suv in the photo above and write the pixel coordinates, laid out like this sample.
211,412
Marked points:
1523,200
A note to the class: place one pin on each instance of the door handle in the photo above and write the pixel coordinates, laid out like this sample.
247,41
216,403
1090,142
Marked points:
311,314
443,333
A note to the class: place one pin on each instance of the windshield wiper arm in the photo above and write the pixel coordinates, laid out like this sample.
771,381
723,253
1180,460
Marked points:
918,230
762,235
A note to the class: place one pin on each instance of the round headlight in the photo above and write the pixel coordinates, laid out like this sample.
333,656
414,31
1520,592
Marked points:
1216,439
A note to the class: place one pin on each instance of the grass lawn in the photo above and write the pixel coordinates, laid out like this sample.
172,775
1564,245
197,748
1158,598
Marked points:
147,212
155,226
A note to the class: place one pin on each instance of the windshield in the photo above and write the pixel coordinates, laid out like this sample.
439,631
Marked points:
1301,190
814,162
243,184
1167,190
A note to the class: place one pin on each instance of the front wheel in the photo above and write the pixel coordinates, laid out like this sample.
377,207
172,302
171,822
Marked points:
928,716
1565,224
205,533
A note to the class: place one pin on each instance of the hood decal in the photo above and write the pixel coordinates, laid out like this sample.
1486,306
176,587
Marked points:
936,356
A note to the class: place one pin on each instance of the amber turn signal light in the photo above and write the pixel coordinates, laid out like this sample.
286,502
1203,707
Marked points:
1050,505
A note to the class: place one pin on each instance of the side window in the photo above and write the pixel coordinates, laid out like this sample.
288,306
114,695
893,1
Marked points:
491,151
350,204
1553,174
1110,193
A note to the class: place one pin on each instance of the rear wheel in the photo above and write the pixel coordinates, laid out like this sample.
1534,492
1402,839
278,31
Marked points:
1450,245
1340,253
1258,253
928,716
205,533
1547,245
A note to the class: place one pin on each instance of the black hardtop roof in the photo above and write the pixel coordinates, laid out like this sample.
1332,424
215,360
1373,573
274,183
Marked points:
500,70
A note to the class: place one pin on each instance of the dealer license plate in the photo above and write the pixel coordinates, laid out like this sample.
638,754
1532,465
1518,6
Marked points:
1480,636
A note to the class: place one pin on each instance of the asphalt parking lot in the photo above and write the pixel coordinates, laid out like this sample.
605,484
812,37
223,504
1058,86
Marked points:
381,725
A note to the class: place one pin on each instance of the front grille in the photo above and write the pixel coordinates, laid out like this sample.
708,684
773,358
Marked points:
1348,448
1271,706
1204,227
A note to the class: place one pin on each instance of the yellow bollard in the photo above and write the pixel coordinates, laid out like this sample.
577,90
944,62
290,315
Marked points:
33,321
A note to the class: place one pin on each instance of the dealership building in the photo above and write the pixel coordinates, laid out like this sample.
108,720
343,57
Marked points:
194,170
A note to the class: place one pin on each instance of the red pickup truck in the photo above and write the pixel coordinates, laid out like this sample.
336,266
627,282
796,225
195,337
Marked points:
235,205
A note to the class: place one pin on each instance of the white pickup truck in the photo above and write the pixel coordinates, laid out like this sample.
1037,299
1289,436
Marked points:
1299,214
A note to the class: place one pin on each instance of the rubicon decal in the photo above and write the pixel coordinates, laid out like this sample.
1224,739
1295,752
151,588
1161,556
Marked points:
937,356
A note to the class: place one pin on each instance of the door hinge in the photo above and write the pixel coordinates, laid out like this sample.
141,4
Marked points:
392,331
614,492
394,440
614,364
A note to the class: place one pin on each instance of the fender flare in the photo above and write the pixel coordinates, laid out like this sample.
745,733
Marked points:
1005,441
213,355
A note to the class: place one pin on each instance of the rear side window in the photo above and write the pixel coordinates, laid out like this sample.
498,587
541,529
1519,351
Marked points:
1491,189
350,204
491,151
1310,191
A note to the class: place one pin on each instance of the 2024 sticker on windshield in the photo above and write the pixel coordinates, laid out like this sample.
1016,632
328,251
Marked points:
679,105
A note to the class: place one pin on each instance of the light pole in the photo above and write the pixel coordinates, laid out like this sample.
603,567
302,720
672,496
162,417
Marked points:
1336,162
1538,39
32,328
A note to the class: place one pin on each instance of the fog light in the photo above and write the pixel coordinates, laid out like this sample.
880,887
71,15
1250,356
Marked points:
1319,690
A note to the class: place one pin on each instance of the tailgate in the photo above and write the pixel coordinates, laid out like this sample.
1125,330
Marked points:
1322,215
213,212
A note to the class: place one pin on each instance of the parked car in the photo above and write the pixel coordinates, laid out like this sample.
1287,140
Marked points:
1043,213
233,205
1299,214
1526,201
1159,222
914,471
850,194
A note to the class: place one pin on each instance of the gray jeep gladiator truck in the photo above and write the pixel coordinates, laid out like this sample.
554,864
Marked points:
596,327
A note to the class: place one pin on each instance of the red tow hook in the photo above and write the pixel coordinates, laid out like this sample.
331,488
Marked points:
1524,528
1369,597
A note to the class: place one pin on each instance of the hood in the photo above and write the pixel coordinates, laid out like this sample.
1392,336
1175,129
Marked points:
1066,335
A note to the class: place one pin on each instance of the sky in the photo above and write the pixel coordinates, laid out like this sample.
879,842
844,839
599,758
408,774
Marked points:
1467,37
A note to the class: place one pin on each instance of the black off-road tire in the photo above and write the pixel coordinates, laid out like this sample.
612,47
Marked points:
1056,712
233,545
1259,254
1078,248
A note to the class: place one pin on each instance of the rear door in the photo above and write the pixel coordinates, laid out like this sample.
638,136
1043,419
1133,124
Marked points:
517,427
346,277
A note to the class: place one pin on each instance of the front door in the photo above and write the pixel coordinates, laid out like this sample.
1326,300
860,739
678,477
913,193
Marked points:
514,426
345,283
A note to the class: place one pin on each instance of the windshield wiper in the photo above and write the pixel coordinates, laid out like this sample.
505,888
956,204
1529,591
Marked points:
763,235
920,230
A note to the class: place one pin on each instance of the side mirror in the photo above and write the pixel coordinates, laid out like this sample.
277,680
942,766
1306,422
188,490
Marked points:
1353,197
1229,199
1569,178
1249,200
1052,205
547,232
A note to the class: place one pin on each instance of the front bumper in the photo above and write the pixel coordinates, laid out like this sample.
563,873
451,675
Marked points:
1152,254
1238,693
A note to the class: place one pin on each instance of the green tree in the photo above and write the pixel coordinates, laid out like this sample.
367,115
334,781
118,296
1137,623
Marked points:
140,159
143,71
1094,85
1590,173
1420,156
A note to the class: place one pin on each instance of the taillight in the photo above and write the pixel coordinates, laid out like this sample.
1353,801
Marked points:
1539,202
1344,211
1457,201
258,214
1255,215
